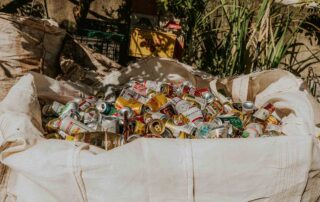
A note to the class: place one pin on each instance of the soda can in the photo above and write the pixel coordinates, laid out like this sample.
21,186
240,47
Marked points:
72,126
53,125
156,126
105,108
139,128
208,97
156,102
111,124
195,100
136,106
264,112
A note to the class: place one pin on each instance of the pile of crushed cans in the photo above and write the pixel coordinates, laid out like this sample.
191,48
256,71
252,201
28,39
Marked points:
159,110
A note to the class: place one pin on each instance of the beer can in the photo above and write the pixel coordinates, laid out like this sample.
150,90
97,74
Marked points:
131,94
156,126
180,120
55,109
87,102
153,115
72,126
194,114
53,125
272,120
136,106
156,102
139,128
186,88
139,88
176,130
71,113
167,89
180,105
168,109
264,112
153,85
111,124
195,100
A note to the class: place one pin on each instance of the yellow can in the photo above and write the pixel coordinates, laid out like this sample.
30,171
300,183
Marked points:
140,128
136,106
272,120
156,126
156,102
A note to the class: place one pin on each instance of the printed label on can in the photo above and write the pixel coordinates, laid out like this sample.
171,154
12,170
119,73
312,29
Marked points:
262,114
193,114
57,107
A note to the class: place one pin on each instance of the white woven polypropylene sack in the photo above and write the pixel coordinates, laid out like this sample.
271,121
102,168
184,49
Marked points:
146,170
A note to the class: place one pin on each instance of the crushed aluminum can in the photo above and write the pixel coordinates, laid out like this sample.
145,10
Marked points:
264,112
86,103
156,126
234,120
139,128
153,85
105,108
72,126
136,106
149,116
194,115
127,93
53,125
168,109
156,102
167,89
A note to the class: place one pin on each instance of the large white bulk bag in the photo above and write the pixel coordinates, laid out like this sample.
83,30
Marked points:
159,170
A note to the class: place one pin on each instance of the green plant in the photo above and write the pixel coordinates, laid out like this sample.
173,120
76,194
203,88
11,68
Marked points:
229,37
